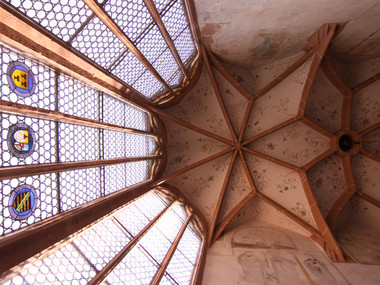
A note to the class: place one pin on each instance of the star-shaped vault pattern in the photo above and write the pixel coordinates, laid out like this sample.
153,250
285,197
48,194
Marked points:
236,151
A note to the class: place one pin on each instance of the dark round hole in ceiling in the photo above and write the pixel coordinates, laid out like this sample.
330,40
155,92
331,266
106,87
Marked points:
345,142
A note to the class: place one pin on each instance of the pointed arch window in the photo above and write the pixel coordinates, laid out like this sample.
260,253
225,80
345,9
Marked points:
73,147
152,239
64,143
146,44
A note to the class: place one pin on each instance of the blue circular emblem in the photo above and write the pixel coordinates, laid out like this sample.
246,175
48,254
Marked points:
21,140
23,202
21,79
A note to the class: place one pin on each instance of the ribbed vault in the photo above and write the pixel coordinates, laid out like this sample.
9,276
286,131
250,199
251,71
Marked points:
234,152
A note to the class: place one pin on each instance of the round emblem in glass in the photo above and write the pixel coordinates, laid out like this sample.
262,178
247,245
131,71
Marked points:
21,140
21,79
22,202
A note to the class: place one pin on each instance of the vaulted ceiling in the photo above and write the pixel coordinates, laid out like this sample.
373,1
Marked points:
265,143
281,126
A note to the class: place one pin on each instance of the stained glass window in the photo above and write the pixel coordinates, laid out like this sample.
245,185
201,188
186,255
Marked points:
82,256
34,141
73,22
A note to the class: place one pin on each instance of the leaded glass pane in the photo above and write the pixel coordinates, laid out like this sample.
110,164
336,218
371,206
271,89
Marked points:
156,244
130,15
129,69
132,219
159,238
175,19
180,211
120,113
35,82
26,141
114,111
136,119
176,23
115,178
137,171
162,4
135,216
181,266
62,18
77,143
166,65
167,280
78,99
176,78
103,242
65,266
152,44
27,200
74,22
138,145
77,260
151,206
189,245
185,46
136,268
169,224
114,144
79,186
98,43
148,85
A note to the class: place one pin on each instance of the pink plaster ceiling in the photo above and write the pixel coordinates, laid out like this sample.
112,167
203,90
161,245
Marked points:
325,102
297,144
256,33
272,155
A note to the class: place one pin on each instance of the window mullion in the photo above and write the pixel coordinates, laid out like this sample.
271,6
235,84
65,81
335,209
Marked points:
190,11
198,263
165,34
160,273
84,257
84,24
124,39
45,168
57,160
81,28
40,113
119,257
47,47
101,142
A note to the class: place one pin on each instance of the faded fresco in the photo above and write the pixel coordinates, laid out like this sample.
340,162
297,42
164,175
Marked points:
361,244
268,255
